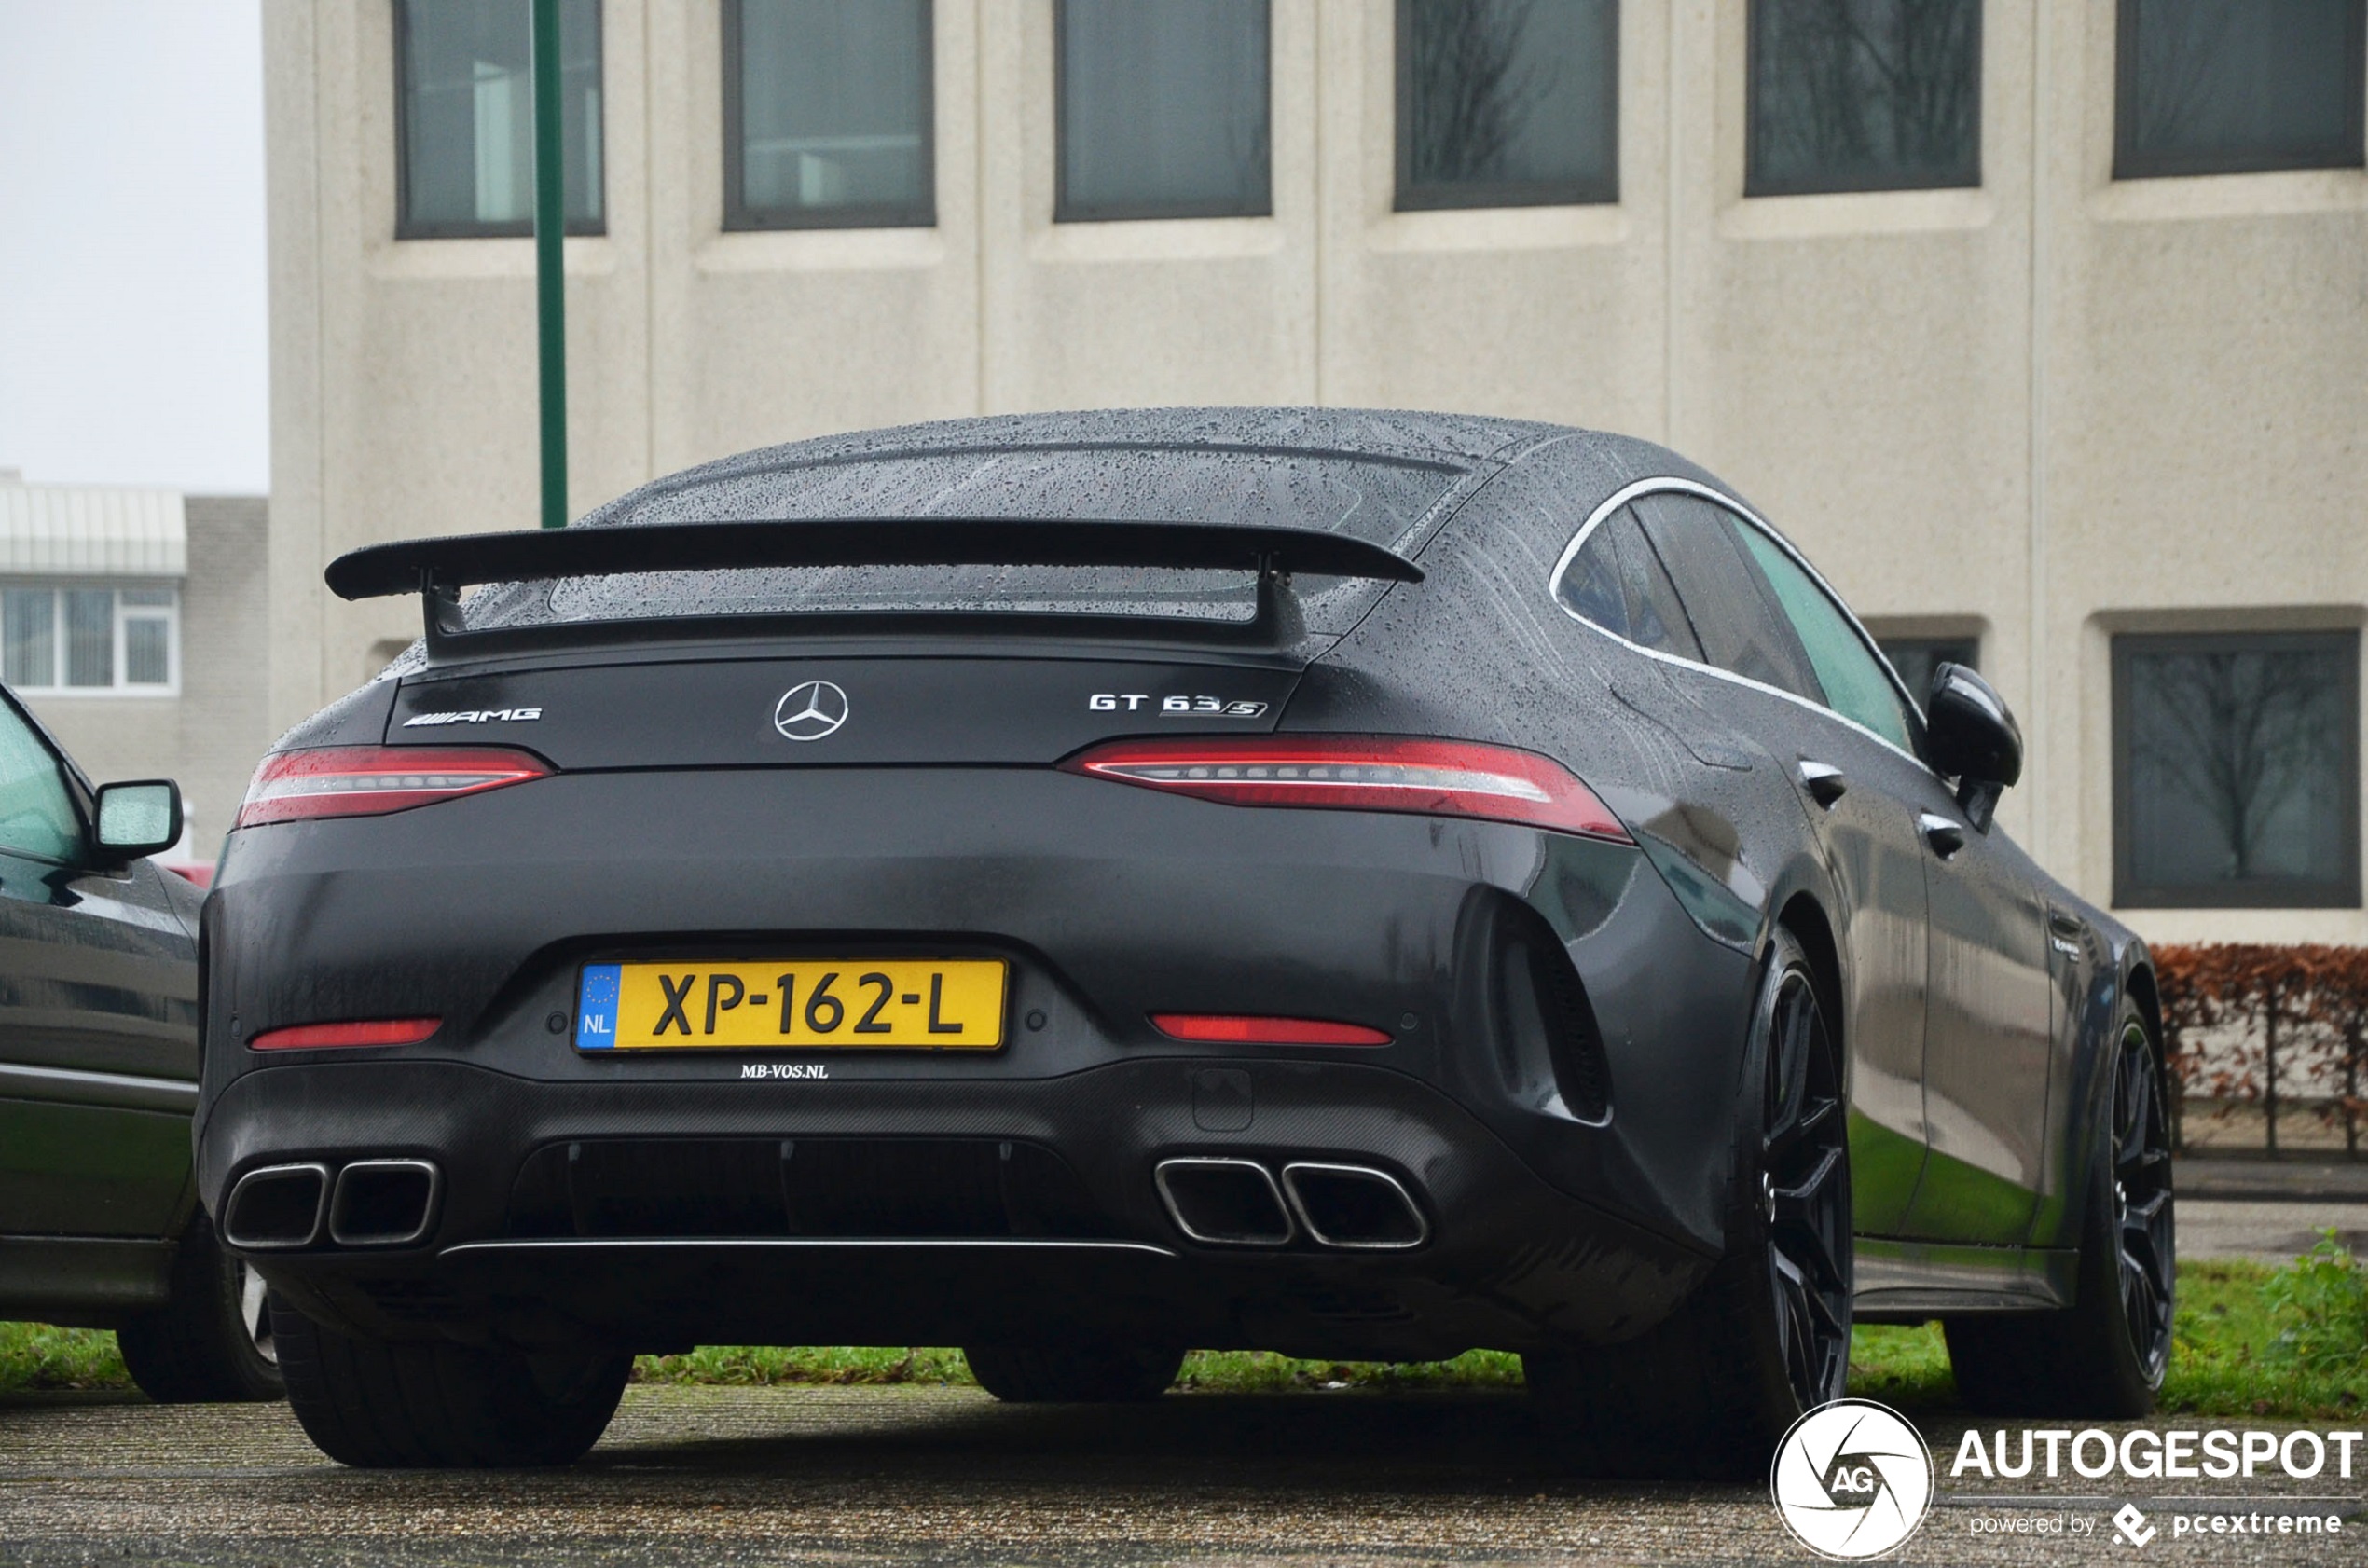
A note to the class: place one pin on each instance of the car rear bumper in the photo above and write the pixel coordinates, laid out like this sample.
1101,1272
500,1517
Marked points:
1544,1219
555,1201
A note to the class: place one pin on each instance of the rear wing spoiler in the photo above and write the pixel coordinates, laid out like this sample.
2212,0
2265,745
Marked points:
439,568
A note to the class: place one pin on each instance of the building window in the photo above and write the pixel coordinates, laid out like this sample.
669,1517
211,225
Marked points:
2236,770
466,97
83,641
827,114
1916,657
2226,87
1863,95
1163,109
1507,103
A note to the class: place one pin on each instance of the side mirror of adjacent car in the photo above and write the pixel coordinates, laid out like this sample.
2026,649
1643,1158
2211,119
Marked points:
1973,739
137,819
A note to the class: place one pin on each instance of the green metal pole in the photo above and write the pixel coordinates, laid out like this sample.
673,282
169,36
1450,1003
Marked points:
550,280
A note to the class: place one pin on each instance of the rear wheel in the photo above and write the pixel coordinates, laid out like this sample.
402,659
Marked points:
1711,1391
1083,1373
2105,1355
211,1339
383,1403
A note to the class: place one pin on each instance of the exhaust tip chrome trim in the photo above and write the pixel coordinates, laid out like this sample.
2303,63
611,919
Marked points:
1278,1237
340,1204
1292,1175
253,1182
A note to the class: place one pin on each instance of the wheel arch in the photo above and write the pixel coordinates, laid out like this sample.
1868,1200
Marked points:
1804,918
2093,1079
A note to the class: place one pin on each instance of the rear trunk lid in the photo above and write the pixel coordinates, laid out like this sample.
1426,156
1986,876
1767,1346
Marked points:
774,708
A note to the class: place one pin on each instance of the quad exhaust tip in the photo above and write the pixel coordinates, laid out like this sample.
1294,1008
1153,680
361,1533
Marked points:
1224,1203
384,1203
370,1202
1355,1207
1220,1201
277,1207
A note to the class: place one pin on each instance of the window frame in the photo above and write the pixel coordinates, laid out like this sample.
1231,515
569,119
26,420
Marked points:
741,218
55,587
409,228
1066,210
1933,642
2129,163
1757,184
2282,893
1669,483
1409,197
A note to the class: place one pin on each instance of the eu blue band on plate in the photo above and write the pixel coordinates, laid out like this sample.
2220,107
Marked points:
596,1007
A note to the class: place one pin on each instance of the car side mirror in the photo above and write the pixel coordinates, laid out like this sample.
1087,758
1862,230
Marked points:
138,819
1973,739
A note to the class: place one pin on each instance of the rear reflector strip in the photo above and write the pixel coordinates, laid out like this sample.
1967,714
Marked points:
323,1037
372,780
1236,1029
1362,773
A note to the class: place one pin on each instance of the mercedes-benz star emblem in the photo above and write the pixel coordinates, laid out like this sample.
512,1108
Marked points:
811,710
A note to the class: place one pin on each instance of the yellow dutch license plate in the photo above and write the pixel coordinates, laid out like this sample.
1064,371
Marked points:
931,1004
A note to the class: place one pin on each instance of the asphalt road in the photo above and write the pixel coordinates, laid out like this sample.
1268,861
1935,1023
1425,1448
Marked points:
865,1476
2267,1231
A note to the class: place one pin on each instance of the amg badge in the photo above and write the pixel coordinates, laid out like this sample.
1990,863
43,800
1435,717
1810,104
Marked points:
475,716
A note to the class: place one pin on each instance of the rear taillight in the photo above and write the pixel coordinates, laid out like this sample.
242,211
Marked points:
1361,773
372,780
365,1031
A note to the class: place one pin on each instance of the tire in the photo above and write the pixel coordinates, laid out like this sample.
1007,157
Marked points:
387,1404
1709,1392
1081,1374
212,1340
2104,1356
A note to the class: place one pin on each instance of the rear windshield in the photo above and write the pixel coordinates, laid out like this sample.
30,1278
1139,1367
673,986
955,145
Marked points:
1383,502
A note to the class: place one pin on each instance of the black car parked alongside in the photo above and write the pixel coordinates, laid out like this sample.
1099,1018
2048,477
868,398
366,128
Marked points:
100,1225
1080,887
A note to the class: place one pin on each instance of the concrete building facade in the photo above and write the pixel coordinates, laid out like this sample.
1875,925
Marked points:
133,624
2046,410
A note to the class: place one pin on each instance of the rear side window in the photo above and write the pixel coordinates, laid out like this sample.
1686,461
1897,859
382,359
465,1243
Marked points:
1733,610
1616,582
1855,685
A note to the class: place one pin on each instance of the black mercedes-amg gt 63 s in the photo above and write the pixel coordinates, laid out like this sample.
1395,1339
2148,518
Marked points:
1355,884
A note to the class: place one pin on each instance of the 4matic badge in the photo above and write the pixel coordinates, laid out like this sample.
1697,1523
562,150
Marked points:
1173,706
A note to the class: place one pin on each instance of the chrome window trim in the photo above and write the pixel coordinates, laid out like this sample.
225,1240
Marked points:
1666,484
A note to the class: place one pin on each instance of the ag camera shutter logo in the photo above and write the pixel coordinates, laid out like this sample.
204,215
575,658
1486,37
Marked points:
1851,1479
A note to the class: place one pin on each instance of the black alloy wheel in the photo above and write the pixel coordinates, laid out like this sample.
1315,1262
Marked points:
1805,1177
210,1341
1709,1391
255,1312
2104,1354
2142,1218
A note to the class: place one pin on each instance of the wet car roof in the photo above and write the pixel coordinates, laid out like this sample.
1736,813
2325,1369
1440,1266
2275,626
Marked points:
935,456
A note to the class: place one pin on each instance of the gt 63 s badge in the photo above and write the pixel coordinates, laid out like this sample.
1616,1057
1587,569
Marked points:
1173,706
